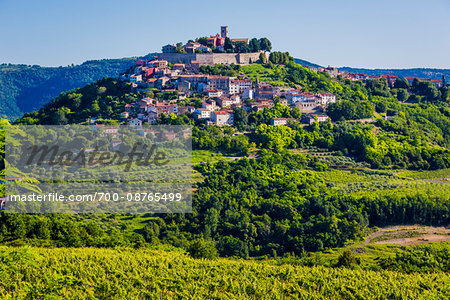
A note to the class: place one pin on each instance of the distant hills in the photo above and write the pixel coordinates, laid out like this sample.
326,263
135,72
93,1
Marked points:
26,88
415,72
306,63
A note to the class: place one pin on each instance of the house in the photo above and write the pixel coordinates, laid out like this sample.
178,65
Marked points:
180,67
135,122
216,40
106,130
201,113
314,69
159,64
307,106
248,94
182,110
283,101
312,118
167,107
190,109
390,79
214,93
266,95
221,118
129,107
193,47
218,82
169,49
233,88
149,72
195,66
243,84
151,83
236,99
152,117
209,105
326,98
332,71
299,97
437,83
224,102
124,115
162,81
184,86
136,78
280,121
197,81
254,107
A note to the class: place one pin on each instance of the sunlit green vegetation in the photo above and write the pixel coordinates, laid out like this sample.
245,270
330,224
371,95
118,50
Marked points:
138,274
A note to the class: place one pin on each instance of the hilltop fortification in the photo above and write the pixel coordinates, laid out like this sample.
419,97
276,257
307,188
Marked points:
211,58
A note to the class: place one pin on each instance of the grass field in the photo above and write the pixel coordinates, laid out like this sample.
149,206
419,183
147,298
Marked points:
88,273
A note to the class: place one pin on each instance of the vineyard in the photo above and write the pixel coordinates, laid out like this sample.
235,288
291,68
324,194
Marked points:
432,183
123,273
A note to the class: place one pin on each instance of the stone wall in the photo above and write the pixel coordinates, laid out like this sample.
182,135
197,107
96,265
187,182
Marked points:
211,58
174,58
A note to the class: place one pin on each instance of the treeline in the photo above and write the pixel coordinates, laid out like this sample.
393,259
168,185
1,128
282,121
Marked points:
274,205
61,231
280,58
254,45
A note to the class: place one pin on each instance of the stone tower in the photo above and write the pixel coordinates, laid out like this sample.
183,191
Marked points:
224,31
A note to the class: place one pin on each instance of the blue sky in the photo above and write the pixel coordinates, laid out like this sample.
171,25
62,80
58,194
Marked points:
358,33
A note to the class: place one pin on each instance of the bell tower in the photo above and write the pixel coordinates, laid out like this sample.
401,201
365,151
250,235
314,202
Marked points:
224,31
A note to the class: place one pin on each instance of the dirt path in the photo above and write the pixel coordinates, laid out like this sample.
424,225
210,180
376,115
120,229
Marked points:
409,235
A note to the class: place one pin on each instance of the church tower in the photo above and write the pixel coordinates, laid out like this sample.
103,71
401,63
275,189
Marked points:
443,80
224,31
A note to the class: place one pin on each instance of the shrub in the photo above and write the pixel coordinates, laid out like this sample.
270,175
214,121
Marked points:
201,248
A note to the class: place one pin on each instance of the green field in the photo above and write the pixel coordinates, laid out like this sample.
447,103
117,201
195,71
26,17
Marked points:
124,273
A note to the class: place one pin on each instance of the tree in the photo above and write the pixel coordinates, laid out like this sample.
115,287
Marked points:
401,84
59,118
203,41
265,44
241,47
201,248
262,57
402,95
228,45
95,108
179,47
254,45
381,107
346,259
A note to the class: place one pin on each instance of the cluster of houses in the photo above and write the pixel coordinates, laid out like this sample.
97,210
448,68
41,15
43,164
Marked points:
334,72
217,41
221,94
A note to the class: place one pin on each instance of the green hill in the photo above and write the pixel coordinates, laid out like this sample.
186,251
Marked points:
27,88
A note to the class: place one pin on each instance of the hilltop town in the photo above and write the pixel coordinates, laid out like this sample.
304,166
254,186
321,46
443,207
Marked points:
177,71
220,94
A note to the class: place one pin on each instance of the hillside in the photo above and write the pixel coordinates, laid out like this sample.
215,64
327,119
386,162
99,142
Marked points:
416,72
413,72
125,273
27,88
293,211
306,63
